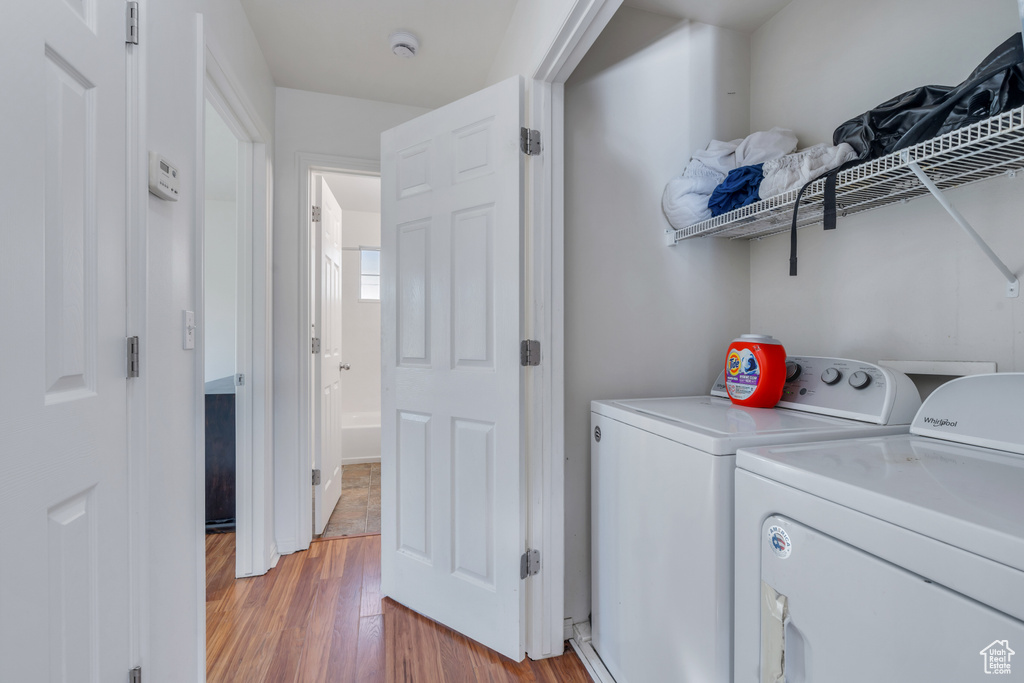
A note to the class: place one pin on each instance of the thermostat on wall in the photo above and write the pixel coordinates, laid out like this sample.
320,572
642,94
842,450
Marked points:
163,177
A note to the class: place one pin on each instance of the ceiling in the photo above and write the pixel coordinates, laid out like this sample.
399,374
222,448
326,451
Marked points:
341,47
355,192
739,15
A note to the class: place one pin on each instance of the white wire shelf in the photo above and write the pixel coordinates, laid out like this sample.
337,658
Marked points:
982,150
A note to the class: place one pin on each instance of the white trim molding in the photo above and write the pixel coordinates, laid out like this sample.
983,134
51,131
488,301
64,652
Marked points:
582,643
255,551
199,524
137,195
545,321
581,28
254,410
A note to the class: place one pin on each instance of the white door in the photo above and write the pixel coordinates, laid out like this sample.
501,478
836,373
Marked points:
453,517
64,601
328,324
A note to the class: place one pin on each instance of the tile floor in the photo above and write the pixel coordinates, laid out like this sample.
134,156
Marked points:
358,509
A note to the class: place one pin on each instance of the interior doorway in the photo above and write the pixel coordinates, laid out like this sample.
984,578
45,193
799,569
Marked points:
345,314
223,224
232,322
244,311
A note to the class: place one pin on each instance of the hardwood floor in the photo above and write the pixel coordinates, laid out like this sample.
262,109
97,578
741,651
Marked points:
318,616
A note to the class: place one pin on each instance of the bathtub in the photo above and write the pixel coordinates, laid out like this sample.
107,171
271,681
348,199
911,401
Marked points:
360,438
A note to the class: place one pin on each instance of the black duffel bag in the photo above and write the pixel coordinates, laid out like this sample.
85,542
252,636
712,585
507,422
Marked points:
997,85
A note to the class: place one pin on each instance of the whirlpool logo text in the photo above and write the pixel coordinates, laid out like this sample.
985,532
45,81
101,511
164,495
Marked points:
937,422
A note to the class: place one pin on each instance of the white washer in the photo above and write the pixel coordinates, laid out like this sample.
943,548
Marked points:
662,473
890,559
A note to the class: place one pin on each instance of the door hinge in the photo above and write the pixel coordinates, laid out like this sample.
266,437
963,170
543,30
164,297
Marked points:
132,24
316,477
529,352
529,141
239,380
529,563
133,357
316,214
315,348
135,675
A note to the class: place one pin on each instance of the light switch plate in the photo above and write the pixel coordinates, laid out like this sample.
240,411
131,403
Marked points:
189,330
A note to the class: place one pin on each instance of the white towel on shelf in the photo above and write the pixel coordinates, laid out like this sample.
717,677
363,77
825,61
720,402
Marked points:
793,171
763,146
719,156
685,200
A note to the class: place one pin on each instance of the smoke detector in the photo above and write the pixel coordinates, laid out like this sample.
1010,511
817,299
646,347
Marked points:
404,44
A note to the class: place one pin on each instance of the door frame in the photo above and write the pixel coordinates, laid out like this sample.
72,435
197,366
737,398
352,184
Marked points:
310,164
137,254
255,551
547,628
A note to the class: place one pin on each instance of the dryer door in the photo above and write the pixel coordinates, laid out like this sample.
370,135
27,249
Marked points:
832,612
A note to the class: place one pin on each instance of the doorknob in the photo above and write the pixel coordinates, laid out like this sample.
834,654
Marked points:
344,366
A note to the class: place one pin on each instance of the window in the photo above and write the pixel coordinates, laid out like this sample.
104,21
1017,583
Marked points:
369,274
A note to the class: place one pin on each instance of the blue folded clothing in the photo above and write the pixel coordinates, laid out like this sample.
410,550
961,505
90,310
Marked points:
738,189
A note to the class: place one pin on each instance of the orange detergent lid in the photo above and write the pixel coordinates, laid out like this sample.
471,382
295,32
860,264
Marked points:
755,371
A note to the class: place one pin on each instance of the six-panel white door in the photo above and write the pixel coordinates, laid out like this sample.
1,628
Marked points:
328,315
453,514
64,596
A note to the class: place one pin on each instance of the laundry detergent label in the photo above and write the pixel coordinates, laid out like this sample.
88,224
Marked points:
778,541
743,373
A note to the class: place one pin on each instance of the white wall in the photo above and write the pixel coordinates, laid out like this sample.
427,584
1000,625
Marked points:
322,124
642,319
221,273
170,105
360,321
899,282
532,29
220,267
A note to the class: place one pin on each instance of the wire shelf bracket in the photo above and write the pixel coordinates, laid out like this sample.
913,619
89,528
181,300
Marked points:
1012,282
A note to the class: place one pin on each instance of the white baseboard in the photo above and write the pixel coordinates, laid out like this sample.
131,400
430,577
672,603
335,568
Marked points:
359,461
287,546
274,556
567,628
581,643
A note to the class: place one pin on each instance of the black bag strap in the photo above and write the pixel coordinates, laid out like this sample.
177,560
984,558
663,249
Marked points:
829,208
829,215
792,232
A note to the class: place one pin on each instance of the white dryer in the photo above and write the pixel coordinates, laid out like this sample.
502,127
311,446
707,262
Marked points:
662,507
889,559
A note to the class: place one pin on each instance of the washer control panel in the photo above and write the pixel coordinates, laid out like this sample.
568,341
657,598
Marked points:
844,388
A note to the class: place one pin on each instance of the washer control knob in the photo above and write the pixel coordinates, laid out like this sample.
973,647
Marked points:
859,380
793,371
831,376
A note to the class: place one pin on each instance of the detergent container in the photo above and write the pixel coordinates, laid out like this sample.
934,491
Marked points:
755,371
